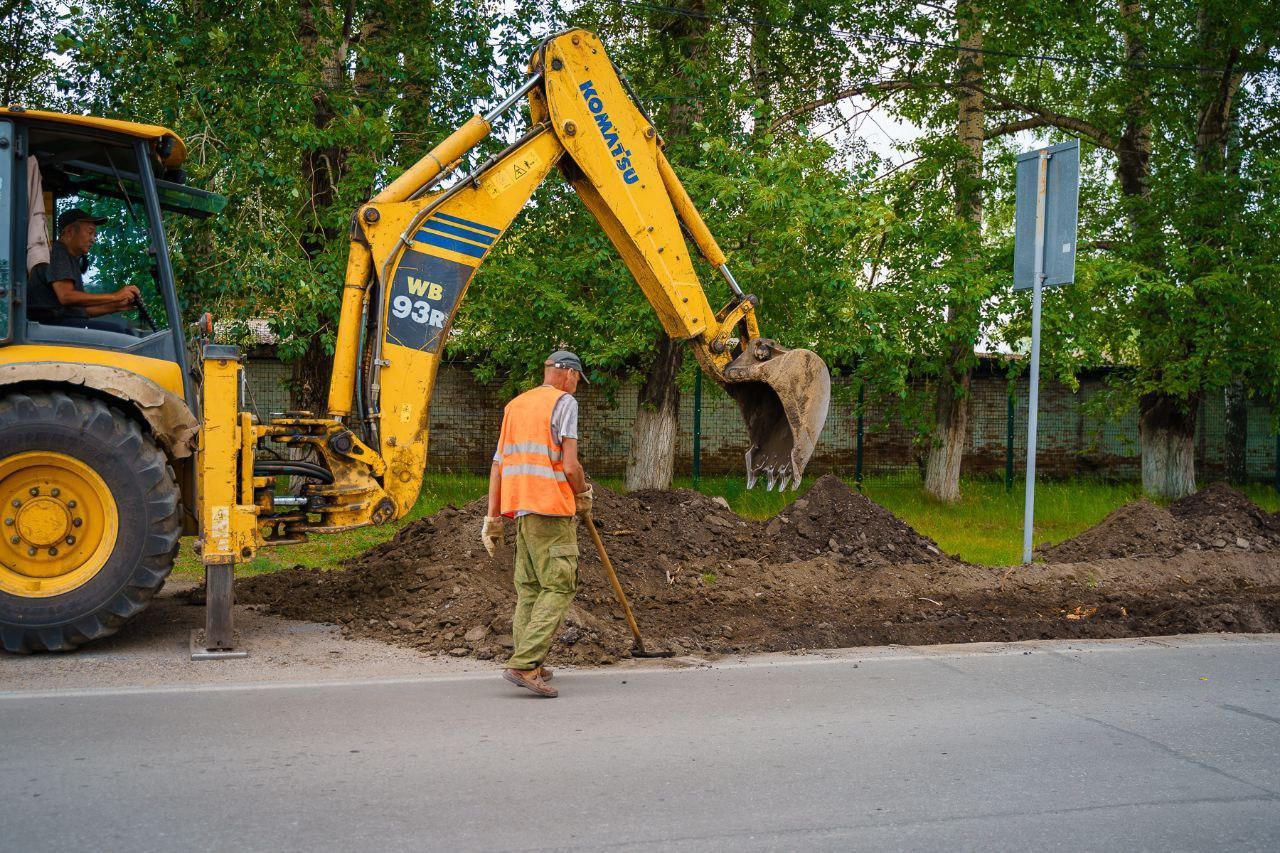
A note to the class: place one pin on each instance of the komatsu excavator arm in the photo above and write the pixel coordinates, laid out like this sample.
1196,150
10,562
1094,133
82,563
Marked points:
414,250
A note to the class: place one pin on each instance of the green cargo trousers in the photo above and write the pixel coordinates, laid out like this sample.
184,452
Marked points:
546,577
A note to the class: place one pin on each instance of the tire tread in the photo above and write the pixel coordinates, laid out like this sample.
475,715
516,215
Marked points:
117,430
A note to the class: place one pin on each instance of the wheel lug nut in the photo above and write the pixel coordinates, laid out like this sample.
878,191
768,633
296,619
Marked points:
71,504
76,522
34,491
53,552
17,502
31,552
15,539
55,492
8,522
71,540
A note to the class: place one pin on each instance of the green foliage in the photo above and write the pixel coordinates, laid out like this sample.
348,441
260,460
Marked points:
280,118
788,211
299,112
27,29
1179,283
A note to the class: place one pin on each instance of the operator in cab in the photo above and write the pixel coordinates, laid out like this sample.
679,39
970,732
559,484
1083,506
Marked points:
537,480
56,293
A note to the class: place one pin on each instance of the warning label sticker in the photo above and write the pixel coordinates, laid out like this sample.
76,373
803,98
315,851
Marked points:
500,179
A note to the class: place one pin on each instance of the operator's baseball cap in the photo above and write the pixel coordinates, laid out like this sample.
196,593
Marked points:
76,214
566,360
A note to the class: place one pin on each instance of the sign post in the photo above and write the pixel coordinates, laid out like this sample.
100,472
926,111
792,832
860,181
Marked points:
1044,256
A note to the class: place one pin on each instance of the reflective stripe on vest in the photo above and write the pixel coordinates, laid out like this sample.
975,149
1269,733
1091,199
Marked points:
533,478
533,447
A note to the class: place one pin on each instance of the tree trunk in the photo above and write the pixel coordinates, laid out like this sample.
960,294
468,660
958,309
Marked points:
942,470
1167,424
1133,155
1236,401
1235,395
322,169
323,166
309,377
653,438
946,450
1166,432
651,461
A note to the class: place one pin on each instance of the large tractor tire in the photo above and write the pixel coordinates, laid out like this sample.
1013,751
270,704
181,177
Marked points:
89,520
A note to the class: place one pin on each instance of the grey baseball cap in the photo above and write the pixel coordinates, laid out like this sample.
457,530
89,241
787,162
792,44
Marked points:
566,360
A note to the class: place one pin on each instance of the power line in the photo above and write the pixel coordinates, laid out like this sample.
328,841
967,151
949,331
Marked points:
925,43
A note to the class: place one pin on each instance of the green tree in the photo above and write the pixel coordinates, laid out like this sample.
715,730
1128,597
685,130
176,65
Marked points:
27,29
295,112
1194,290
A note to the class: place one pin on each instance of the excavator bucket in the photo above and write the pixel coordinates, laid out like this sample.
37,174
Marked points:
783,395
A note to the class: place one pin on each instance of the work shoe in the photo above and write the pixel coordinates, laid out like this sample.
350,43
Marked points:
529,680
546,673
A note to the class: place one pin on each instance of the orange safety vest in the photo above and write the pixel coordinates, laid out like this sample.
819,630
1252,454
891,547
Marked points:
533,478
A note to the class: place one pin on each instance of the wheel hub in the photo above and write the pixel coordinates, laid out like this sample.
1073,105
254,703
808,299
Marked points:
59,523
43,521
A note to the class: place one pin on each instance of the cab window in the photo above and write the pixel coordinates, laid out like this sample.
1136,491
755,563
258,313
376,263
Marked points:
121,256
101,273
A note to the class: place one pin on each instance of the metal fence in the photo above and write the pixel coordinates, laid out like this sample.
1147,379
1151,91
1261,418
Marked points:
867,433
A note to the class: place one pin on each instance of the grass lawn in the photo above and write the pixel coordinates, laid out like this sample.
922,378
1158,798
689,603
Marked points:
984,527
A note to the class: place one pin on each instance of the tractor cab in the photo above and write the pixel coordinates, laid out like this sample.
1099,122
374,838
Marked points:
127,178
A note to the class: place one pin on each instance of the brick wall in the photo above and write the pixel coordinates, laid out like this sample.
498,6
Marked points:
466,413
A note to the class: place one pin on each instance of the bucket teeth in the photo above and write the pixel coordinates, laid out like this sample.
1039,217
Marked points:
783,397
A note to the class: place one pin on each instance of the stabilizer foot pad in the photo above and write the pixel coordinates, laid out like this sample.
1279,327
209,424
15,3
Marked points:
199,652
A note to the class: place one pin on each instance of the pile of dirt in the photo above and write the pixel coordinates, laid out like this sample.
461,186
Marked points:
699,576
833,570
1139,529
1222,517
833,520
830,520
1215,518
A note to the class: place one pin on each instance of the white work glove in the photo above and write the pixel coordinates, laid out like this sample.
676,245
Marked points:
582,502
491,533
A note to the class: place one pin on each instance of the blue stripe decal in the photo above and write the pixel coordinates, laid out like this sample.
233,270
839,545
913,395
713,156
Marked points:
457,220
459,232
450,244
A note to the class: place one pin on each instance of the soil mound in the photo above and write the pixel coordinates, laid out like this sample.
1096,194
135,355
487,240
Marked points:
700,577
703,580
1222,517
1134,530
670,527
1217,517
844,525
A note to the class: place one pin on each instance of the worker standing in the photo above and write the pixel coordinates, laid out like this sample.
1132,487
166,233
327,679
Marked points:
536,479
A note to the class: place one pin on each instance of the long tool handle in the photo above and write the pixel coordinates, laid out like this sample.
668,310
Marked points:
613,579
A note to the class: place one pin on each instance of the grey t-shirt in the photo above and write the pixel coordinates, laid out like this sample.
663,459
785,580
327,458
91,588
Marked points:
42,302
564,424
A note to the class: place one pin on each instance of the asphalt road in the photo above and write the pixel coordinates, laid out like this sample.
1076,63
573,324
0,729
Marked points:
1054,746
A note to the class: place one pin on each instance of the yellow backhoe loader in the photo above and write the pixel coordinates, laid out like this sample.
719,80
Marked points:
119,434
